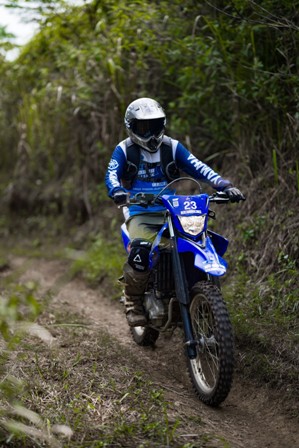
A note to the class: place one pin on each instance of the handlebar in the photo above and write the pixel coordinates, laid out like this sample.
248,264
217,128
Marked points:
146,199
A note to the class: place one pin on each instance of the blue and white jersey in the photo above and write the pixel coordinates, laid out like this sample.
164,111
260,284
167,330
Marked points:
150,177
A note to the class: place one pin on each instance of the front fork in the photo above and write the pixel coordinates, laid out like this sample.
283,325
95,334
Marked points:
182,293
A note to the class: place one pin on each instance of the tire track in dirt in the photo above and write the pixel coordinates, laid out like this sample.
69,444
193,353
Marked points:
249,418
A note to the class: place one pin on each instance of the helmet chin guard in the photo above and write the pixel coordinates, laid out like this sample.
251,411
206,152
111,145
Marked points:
151,145
145,122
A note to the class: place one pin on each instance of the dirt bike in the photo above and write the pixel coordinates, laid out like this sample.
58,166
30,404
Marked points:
184,289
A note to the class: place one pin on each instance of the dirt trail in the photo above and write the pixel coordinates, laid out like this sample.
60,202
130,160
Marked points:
249,417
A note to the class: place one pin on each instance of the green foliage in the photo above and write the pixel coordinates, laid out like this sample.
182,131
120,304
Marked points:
5,42
103,260
250,230
213,69
275,166
275,300
100,392
226,74
19,308
16,306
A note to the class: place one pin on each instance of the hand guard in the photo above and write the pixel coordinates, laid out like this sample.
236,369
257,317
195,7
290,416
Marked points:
234,194
121,197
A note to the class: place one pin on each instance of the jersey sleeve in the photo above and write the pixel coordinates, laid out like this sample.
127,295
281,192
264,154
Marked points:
115,171
188,163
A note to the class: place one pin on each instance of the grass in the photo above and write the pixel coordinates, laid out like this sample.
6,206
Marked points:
89,383
102,261
265,321
275,166
84,389
264,314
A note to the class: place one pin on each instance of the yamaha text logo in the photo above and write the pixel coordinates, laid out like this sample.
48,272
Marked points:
113,165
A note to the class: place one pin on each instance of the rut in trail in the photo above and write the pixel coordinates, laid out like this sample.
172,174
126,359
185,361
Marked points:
249,418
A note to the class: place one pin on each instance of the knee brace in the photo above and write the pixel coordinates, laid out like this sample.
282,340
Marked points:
139,254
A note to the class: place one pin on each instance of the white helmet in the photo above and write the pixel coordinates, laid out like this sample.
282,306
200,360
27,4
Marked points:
145,122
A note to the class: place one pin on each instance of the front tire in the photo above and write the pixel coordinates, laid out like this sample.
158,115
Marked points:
211,372
144,336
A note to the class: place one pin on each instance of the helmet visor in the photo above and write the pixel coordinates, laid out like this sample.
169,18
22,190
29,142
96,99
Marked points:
148,128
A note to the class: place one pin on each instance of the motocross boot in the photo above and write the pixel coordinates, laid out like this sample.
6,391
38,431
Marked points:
134,311
135,285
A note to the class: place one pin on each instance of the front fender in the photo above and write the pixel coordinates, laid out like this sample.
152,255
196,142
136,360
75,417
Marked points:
205,258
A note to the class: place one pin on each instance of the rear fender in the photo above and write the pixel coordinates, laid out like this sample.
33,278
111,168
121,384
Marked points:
205,258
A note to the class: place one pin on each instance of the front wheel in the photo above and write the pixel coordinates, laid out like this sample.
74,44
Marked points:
211,371
144,336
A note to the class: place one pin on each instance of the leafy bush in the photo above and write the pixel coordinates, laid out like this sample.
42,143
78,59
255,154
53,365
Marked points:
212,67
104,260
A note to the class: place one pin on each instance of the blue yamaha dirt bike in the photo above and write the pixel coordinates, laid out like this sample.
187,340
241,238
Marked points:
184,289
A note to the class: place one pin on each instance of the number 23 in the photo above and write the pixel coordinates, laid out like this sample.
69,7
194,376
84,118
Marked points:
190,205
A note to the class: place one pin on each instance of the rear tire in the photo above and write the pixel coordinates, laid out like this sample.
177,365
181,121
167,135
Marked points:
211,372
144,336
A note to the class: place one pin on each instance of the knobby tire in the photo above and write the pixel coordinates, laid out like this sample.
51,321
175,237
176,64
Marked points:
211,372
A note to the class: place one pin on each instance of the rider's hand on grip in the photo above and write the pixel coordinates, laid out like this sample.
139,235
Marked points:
121,197
234,194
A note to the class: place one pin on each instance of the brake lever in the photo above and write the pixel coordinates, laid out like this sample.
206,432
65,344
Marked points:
219,197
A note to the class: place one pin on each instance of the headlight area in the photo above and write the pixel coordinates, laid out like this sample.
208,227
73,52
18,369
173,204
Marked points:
193,225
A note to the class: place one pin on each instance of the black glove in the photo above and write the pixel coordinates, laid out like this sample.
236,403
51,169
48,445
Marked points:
234,194
121,197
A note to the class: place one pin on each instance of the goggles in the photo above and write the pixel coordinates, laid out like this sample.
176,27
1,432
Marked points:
146,129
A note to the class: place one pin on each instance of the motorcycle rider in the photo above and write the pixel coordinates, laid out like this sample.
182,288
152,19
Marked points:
145,162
